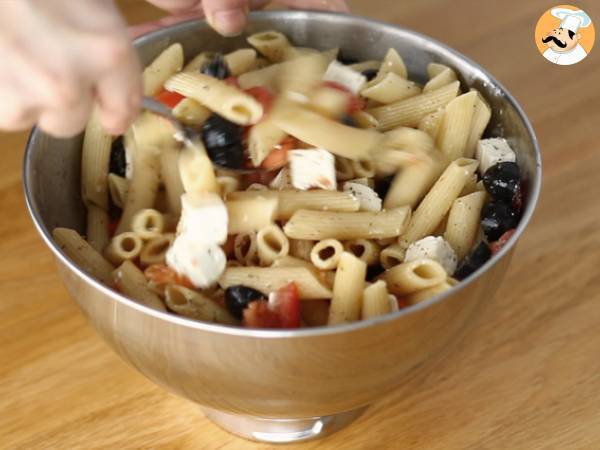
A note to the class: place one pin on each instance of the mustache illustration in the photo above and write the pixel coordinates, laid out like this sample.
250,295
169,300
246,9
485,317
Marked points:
556,41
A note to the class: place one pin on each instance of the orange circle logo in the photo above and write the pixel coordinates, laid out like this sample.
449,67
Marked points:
565,35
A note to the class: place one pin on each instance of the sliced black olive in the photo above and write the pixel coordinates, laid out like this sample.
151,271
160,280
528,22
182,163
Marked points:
497,218
220,132
217,68
231,156
118,162
344,59
370,74
502,180
382,186
349,120
237,298
473,261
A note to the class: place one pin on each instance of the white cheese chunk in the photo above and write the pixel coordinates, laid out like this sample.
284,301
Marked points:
283,180
312,168
492,151
203,218
345,76
436,248
195,252
203,264
367,197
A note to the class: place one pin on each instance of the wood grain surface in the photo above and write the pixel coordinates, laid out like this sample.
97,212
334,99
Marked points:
527,374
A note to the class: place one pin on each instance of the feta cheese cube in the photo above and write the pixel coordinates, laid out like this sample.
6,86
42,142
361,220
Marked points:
283,180
367,197
345,76
492,151
202,263
312,168
436,248
203,217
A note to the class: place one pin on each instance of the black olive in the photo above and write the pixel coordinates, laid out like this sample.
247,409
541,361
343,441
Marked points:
473,261
370,74
344,59
497,218
220,132
349,120
217,68
231,156
118,163
237,298
502,180
382,186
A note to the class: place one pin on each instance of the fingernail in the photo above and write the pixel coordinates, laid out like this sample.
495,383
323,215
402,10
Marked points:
228,22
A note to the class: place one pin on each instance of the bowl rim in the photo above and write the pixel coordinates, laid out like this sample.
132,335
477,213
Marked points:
314,331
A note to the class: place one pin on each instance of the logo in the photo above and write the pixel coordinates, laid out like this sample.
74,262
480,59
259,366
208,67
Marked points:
565,35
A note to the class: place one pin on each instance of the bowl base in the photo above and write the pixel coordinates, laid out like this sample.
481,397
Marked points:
281,431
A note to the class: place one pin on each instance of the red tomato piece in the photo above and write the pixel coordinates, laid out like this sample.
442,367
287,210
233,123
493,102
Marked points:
161,274
263,96
286,302
260,177
355,103
496,246
258,315
170,99
279,155
233,81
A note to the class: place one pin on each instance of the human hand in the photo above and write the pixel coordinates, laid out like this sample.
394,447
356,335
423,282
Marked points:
228,17
58,57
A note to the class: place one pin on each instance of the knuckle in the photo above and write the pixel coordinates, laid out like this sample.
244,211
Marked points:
113,51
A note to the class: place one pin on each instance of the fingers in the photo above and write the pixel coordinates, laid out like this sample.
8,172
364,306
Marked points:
322,5
227,17
119,89
67,122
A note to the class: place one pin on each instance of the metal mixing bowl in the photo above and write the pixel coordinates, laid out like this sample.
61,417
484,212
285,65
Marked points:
280,386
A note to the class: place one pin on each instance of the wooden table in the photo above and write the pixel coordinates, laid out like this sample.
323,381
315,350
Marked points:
526,376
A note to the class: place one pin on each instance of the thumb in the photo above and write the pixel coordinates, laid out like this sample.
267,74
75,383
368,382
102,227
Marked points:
227,17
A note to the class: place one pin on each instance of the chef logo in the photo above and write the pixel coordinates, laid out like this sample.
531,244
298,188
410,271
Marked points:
564,35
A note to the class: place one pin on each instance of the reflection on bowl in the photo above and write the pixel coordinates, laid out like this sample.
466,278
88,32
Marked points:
280,386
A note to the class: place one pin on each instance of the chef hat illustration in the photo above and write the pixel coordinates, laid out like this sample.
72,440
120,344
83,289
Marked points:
572,20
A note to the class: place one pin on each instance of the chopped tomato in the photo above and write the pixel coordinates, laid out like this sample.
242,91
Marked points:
402,302
260,177
263,96
233,81
161,274
279,155
286,302
258,315
112,227
170,99
496,246
355,103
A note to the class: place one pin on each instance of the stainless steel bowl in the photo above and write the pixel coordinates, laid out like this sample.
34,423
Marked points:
280,386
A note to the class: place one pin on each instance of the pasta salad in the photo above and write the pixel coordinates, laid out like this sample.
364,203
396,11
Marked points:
319,190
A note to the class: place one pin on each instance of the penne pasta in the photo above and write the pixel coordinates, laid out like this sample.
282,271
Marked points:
441,79
348,287
228,184
392,256
196,170
155,250
317,225
391,88
288,201
343,169
164,66
240,61
410,277
198,62
365,65
273,45
439,199
131,282
314,129
376,301
481,118
97,227
427,293
410,111
171,178
148,224
95,157
430,123
83,254
271,245
301,248
245,248
262,139
463,222
325,254
124,247
191,112
222,98
456,125
251,214
269,279
192,304
365,250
